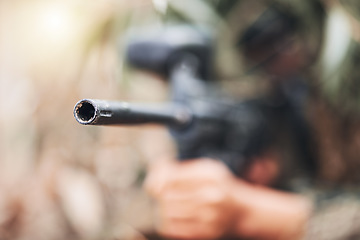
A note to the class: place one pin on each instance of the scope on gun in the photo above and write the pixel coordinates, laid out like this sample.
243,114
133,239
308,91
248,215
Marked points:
160,51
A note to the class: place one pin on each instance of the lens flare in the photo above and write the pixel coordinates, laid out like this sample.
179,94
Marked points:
55,23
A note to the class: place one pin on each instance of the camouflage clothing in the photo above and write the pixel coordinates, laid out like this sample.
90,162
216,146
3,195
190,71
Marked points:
336,216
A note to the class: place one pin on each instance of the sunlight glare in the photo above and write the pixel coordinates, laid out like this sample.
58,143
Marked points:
56,23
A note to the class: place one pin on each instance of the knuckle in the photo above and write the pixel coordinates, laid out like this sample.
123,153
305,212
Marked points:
214,196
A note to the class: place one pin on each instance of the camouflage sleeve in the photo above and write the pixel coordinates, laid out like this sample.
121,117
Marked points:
335,218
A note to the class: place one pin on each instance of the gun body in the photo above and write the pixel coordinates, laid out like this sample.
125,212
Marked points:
202,121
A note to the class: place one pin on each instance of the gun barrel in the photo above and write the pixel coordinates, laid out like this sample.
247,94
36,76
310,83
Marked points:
101,112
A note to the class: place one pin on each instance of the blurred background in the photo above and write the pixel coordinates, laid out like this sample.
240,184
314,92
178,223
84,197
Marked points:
59,180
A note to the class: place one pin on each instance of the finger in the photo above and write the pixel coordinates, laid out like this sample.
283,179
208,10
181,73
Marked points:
174,218
172,175
189,229
177,228
200,169
158,176
178,209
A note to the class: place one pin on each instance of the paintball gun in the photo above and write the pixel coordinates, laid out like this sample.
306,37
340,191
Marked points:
202,121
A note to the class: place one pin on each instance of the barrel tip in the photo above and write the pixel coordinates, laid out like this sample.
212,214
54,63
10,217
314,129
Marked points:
85,111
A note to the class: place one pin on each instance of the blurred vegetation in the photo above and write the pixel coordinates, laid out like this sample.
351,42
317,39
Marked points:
59,180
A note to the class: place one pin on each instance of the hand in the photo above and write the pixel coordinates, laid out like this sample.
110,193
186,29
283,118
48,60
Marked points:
201,199
194,198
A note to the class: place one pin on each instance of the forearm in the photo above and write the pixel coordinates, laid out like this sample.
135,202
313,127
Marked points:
270,214
195,203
